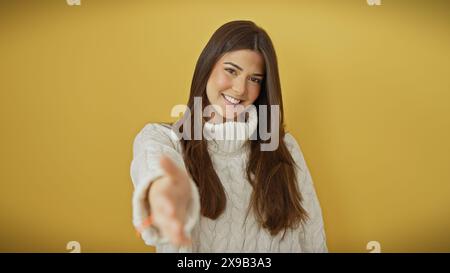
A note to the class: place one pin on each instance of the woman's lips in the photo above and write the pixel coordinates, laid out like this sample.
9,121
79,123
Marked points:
230,100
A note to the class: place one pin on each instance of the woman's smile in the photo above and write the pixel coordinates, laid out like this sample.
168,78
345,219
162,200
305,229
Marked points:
229,100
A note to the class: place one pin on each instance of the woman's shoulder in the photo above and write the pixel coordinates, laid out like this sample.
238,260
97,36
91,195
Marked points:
157,126
291,142
161,132
295,149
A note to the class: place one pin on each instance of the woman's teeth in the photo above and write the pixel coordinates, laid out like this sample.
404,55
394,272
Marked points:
231,99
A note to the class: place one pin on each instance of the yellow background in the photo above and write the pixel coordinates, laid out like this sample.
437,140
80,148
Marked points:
366,92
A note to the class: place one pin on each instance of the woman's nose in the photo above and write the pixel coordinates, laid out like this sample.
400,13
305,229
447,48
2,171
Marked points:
239,86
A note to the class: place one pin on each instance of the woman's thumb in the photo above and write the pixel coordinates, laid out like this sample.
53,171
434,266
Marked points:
170,168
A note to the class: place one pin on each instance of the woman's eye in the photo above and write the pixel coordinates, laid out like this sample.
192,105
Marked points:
256,80
231,71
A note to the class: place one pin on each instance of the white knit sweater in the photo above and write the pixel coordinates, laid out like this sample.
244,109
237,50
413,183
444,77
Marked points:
229,232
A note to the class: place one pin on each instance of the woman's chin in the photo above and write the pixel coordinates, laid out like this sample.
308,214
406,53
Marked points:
222,114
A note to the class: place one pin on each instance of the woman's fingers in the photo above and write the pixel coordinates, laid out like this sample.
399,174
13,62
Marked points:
178,235
166,205
173,229
171,169
170,200
166,219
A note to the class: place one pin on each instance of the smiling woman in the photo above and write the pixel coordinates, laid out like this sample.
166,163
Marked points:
235,80
231,195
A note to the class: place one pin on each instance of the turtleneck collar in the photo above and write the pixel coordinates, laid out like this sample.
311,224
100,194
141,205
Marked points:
230,136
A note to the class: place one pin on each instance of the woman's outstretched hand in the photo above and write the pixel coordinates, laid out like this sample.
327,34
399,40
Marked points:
169,197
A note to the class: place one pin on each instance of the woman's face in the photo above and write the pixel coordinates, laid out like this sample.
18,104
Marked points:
235,80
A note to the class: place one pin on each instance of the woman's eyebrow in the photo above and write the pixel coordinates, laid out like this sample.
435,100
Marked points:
240,68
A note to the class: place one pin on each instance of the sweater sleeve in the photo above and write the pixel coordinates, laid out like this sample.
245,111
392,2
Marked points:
312,236
149,145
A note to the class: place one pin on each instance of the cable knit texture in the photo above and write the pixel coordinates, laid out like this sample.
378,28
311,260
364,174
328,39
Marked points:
231,232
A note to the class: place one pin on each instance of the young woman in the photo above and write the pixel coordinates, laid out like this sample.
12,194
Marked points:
227,194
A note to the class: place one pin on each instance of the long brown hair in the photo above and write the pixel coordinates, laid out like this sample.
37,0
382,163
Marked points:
276,198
